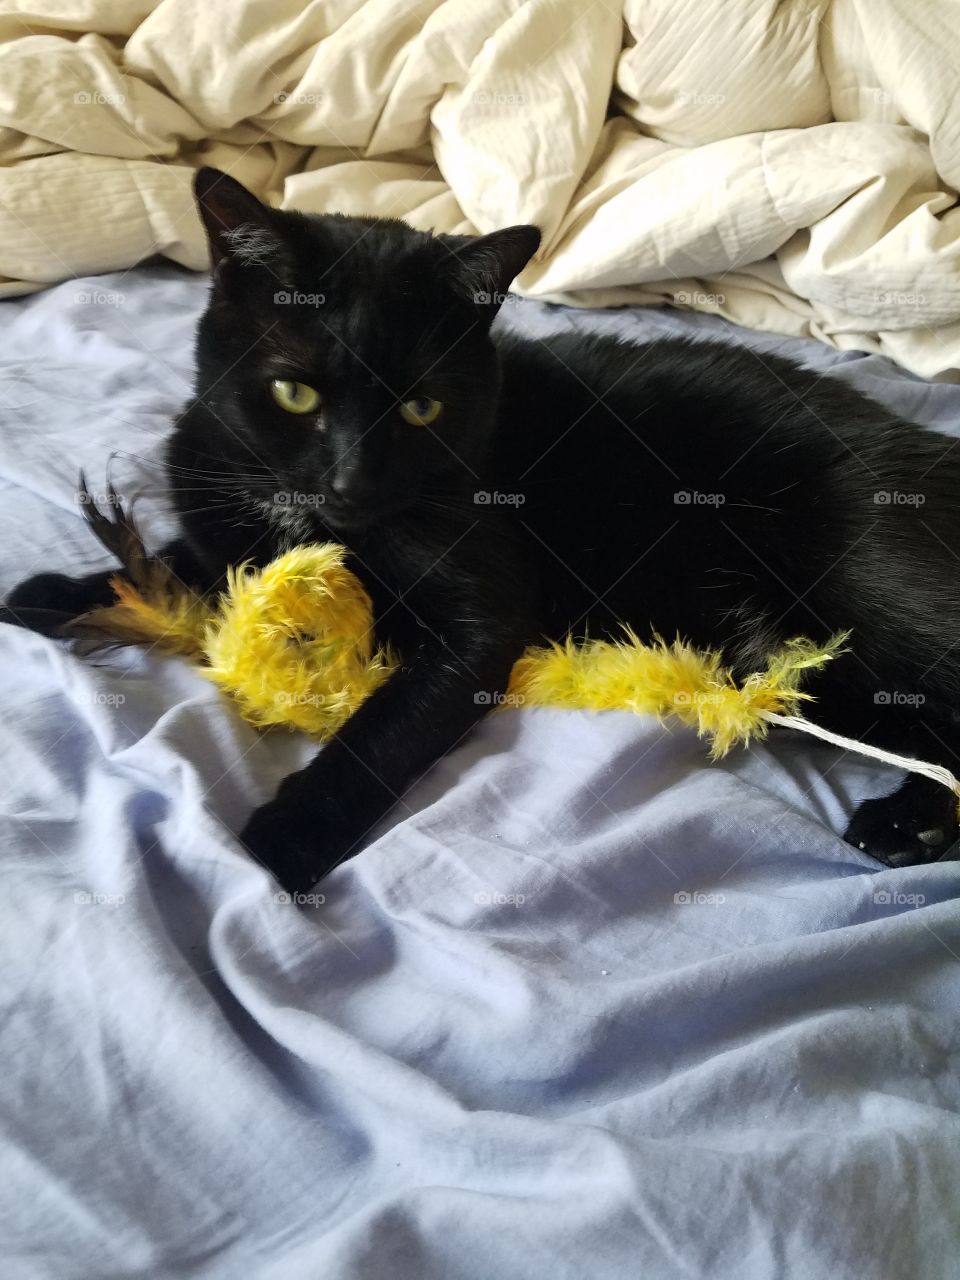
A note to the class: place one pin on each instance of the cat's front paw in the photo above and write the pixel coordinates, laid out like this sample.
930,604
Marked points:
294,838
914,825
42,591
47,599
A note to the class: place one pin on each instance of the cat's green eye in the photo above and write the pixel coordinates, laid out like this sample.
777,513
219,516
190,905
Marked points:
294,397
421,411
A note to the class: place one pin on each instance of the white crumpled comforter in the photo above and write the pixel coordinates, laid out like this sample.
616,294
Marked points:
789,164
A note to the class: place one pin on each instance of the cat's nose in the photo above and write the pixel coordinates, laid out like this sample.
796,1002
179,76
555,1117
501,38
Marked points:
348,487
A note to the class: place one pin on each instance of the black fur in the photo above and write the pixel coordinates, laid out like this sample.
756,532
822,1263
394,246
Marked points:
572,484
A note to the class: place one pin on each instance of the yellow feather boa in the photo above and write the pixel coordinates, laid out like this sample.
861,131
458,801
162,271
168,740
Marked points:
294,645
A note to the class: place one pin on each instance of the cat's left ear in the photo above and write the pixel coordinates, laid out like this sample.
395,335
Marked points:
484,267
239,227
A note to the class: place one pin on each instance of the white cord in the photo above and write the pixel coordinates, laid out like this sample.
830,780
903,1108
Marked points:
935,771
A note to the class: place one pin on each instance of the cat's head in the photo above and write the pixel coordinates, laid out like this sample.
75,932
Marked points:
350,357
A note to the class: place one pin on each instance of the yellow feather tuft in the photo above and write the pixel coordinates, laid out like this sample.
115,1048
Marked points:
294,643
676,679
167,616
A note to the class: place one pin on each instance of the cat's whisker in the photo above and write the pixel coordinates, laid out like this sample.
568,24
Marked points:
178,468
446,508
211,487
208,507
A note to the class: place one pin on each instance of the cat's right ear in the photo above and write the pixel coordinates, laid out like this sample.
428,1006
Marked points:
484,267
239,227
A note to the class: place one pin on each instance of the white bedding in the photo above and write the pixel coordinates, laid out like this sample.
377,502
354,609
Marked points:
789,164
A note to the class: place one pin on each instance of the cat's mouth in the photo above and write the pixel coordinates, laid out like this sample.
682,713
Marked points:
341,514
299,507
347,515
348,521
293,506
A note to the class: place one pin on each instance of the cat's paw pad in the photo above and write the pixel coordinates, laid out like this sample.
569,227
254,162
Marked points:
916,824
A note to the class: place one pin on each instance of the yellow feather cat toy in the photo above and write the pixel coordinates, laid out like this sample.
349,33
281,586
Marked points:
293,644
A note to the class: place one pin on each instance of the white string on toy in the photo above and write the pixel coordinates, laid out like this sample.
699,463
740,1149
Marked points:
935,771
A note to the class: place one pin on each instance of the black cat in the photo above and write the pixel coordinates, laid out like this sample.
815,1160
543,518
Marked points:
496,490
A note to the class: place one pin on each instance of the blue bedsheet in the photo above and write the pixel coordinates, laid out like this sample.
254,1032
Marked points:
590,1007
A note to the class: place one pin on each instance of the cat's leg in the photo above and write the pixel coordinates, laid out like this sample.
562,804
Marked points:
60,594
918,821
322,814
46,601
